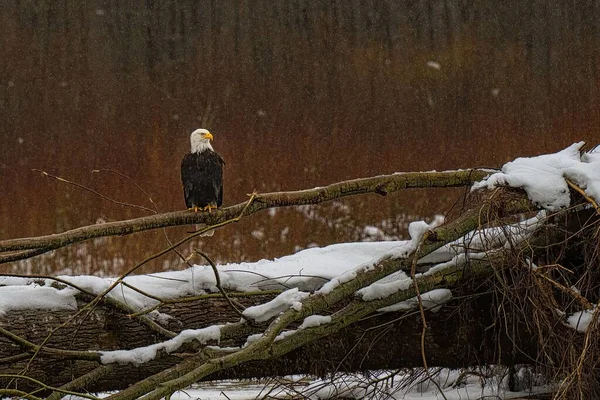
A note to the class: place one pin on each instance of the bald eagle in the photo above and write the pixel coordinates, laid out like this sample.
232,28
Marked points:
202,174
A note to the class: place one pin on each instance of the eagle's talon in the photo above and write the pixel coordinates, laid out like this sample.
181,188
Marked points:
209,208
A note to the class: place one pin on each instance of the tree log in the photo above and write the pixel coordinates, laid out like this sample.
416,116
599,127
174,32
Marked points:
386,341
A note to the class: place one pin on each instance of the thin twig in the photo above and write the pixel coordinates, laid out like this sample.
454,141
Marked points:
47,387
585,196
21,255
80,186
83,381
218,285
132,182
53,353
585,303
156,211
13,359
413,271
15,393
142,292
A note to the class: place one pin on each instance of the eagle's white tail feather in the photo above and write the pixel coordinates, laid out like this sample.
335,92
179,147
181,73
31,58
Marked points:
207,233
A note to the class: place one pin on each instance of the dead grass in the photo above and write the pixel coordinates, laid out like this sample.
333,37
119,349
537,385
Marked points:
539,285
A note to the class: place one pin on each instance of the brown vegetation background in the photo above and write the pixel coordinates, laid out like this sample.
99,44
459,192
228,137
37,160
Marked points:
300,93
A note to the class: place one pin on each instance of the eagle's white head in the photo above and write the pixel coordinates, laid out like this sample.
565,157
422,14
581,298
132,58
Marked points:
200,140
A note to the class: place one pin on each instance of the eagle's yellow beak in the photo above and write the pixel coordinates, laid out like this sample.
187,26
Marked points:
208,136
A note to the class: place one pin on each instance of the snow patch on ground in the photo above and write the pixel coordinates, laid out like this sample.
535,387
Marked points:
453,383
484,383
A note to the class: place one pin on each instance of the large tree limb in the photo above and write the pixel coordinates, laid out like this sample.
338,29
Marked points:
382,185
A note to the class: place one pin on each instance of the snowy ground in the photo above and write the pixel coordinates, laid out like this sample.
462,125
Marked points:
455,385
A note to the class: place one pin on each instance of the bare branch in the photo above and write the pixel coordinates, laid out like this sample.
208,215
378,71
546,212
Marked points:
81,382
382,185
52,353
46,387
218,284
80,186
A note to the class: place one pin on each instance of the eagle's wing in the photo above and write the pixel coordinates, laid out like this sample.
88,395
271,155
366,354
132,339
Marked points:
186,179
218,181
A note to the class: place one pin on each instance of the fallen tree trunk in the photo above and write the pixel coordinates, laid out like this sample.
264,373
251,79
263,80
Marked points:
454,339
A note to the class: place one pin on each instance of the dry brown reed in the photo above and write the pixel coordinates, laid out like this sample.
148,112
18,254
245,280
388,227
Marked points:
536,287
298,93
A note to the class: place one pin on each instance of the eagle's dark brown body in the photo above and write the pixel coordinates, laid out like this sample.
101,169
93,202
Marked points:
202,178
